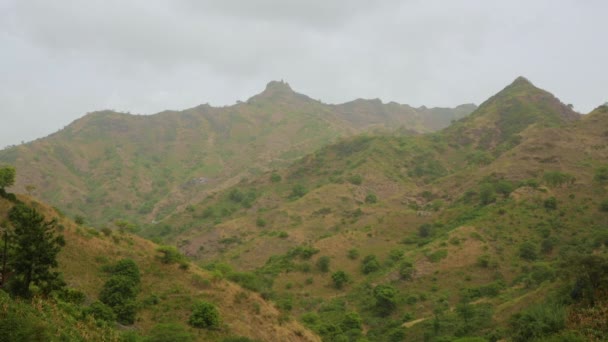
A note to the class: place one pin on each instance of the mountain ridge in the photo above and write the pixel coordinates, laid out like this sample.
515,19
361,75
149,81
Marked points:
153,156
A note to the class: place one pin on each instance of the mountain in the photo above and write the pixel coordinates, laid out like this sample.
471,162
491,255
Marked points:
107,165
166,296
498,121
476,230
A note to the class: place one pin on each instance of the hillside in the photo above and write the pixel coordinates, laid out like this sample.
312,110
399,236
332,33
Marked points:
165,300
108,165
427,237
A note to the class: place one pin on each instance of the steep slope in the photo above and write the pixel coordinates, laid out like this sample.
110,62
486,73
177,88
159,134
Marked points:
458,238
167,294
495,125
108,165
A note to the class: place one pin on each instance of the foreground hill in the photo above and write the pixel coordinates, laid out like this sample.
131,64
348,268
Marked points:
108,165
426,238
167,294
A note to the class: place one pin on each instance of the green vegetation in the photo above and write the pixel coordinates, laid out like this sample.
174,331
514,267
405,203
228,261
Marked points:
7,176
120,291
204,316
34,253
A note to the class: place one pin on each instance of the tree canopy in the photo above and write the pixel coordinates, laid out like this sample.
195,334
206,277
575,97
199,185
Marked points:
7,176
35,249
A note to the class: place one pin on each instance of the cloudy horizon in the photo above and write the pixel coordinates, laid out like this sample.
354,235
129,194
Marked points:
62,59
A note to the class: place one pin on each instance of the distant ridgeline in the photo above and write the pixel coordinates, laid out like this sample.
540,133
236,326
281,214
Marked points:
109,166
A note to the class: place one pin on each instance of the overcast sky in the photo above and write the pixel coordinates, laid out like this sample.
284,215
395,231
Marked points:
61,59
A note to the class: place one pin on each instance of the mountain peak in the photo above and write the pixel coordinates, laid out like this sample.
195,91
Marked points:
274,86
521,81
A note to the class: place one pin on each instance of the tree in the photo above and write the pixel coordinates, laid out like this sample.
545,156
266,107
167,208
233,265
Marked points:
204,315
340,278
120,291
35,252
385,299
7,176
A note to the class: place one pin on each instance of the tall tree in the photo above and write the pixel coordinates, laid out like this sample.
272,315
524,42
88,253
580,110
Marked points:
34,253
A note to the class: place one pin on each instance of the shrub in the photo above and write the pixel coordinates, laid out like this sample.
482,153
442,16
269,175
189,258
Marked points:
537,322
385,296
370,264
557,178
169,332
371,198
601,174
100,312
339,278
406,270
323,263
355,179
604,205
204,315
120,291
170,255
353,254
275,177
235,195
425,230
550,203
260,222
527,251
298,191
79,220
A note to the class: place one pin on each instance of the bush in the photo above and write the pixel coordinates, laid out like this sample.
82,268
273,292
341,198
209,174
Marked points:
275,177
100,312
406,270
170,255
323,264
260,222
601,174
204,315
339,278
120,291
425,230
604,205
353,254
371,198
355,179
537,322
557,178
385,296
164,332
527,251
298,191
79,220
370,264
550,203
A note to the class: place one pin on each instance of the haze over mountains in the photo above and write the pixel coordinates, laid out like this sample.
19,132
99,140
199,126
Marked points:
172,158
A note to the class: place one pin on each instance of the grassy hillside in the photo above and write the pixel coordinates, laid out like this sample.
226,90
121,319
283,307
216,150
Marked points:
440,236
165,300
108,165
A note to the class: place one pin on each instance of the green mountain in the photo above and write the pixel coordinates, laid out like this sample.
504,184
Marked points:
108,165
474,231
498,121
